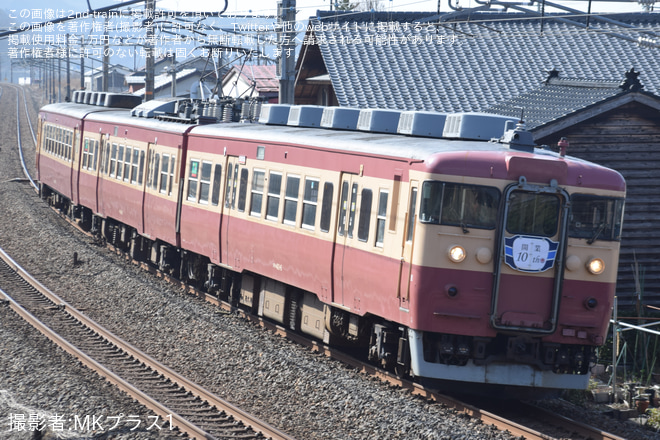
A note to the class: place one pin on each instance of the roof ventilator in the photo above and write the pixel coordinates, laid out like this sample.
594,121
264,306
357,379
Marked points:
420,123
104,99
340,118
274,114
305,116
379,120
475,126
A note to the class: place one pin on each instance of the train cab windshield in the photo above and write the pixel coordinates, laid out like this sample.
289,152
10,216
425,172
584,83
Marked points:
595,217
453,204
533,214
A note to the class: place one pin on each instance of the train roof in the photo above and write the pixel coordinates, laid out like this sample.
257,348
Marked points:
392,145
111,115
482,154
396,146
74,110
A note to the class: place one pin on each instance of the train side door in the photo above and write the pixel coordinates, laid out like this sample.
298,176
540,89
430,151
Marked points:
97,155
229,204
75,166
529,270
345,229
405,269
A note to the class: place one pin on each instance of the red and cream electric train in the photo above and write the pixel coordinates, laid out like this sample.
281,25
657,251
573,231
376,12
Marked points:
446,255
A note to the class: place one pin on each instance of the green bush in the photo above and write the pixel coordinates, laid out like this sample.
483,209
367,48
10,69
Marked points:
654,418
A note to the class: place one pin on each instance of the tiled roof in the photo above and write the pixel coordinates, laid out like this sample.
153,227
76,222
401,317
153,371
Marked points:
264,76
558,97
165,79
386,60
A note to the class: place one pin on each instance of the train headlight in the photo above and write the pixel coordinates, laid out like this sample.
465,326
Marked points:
457,254
596,266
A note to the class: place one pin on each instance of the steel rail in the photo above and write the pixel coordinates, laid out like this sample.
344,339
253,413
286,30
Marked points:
254,423
487,417
20,144
161,410
29,120
484,416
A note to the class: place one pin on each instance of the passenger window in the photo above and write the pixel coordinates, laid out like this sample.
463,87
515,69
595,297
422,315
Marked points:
242,195
217,181
113,160
127,164
134,165
205,182
193,179
85,154
326,206
120,161
380,219
257,193
291,199
273,201
310,200
163,173
171,176
365,215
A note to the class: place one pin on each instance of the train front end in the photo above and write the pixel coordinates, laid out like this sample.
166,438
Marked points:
514,268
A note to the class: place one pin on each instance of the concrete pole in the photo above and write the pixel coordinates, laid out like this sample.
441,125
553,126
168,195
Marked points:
287,44
150,6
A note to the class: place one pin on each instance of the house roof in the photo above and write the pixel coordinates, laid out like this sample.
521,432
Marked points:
264,76
165,80
399,61
559,97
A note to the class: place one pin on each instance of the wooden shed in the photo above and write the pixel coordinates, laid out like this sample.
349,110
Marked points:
615,124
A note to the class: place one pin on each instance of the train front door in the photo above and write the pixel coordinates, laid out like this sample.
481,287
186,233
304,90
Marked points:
529,270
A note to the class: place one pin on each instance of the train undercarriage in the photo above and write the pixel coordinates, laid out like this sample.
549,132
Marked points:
384,343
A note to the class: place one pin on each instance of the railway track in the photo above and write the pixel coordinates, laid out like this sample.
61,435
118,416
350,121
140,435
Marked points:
485,416
180,404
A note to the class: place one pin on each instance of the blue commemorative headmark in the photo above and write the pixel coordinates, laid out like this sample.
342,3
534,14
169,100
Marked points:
530,254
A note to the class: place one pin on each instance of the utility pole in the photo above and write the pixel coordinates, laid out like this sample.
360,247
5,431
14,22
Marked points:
287,24
68,71
82,62
150,6
173,70
59,79
106,56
